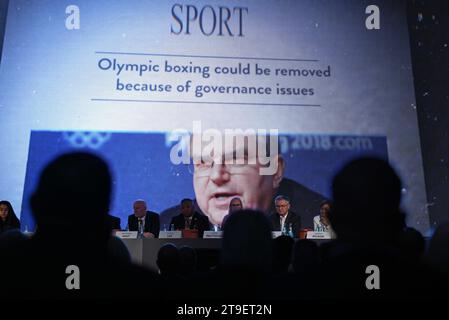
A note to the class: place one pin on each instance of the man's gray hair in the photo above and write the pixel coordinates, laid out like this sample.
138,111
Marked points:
140,201
281,197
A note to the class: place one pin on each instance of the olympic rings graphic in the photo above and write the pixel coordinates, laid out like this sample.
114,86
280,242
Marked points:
85,139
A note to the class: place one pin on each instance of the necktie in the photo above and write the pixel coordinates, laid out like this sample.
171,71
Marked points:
140,225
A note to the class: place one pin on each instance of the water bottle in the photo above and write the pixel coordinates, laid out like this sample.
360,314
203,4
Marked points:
172,227
285,230
290,230
26,231
140,230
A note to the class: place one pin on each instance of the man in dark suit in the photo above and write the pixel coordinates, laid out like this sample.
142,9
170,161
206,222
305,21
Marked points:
148,221
303,201
190,219
283,218
114,223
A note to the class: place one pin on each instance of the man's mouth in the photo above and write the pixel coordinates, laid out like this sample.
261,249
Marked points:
224,195
222,199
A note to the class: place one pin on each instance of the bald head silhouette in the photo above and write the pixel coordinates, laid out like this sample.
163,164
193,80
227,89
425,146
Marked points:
73,193
367,195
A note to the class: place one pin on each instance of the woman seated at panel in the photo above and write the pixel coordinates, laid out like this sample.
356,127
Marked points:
235,205
321,222
8,219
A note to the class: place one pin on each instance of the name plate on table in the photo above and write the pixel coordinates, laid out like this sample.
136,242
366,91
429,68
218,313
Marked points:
318,235
170,234
276,234
190,233
213,234
126,234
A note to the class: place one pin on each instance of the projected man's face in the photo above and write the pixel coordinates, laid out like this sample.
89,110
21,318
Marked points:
217,184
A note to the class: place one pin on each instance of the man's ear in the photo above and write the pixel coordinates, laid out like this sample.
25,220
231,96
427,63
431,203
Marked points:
279,175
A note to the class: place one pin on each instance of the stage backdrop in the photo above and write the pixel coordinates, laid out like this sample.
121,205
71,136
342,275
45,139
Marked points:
141,172
127,73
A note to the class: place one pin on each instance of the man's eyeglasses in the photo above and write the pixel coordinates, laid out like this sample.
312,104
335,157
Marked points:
204,169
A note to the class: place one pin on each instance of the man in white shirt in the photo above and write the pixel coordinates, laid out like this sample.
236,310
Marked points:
284,219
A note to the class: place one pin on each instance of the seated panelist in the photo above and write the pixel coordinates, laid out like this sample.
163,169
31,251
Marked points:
143,221
190,219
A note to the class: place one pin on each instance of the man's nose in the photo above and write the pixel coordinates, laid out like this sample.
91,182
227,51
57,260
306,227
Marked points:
219,174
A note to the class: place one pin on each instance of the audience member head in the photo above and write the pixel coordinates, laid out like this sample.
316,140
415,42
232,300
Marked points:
306,256
283,247
366,195
411,243
118,250
168,259
438,251
187,260
73,195
247,242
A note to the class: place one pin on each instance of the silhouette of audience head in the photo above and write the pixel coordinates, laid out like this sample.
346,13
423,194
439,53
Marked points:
411,243
72,196
168,259
283,247
438,251
367,194
306,256
247,242
187,260
118,249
